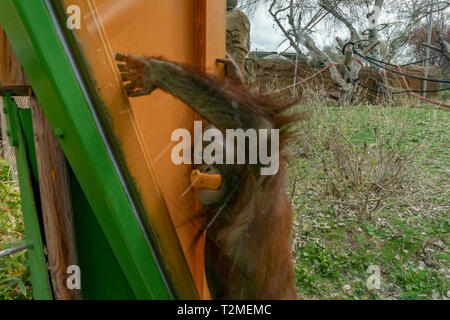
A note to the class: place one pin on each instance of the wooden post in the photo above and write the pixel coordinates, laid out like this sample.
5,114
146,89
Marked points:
200,34
11,74
56,204
200,62
53,178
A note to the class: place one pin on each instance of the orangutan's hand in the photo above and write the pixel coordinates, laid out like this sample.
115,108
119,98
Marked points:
135,72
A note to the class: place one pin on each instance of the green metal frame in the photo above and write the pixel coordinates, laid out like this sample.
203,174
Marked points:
35,253
35,41
168,249
102,277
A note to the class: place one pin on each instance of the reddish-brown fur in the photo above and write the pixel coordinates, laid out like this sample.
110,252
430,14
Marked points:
250,257
248,249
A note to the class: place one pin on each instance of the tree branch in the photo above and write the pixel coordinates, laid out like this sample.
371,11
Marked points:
414,18
445,47
373,36
327,6
282,28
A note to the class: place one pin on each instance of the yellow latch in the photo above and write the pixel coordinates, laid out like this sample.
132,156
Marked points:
200,180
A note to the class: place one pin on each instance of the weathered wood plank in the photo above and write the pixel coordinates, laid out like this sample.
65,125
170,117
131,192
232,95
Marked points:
56,204
11,74
200,34
15,91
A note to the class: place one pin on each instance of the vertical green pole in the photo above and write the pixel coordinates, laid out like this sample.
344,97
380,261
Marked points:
35,254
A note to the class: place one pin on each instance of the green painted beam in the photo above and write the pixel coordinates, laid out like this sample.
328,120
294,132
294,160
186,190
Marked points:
35,41
35,254
102,277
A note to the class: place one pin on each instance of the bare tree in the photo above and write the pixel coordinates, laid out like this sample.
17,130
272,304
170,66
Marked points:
444,50
408,15
361,18
374,26
295,19
445,47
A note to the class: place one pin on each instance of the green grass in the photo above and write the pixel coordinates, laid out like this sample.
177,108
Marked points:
14,274
407,236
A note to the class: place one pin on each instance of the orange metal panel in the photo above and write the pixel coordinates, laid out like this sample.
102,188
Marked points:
144,125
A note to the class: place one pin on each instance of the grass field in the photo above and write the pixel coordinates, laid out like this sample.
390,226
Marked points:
369,187
14,275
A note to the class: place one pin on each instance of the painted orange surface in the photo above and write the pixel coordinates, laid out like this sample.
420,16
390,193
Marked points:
143,126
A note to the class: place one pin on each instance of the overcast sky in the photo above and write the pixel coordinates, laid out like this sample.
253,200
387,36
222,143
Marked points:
265,35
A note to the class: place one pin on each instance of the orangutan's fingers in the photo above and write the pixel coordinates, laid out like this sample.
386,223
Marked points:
130,88
121,56
125,76
129,59
123,67
138,93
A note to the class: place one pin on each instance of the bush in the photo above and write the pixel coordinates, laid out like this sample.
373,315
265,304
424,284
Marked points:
357,167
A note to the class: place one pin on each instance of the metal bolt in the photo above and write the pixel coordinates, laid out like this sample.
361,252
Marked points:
59,133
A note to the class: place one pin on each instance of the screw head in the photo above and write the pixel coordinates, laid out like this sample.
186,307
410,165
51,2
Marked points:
59,133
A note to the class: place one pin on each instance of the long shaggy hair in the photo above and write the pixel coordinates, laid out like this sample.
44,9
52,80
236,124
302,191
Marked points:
248,249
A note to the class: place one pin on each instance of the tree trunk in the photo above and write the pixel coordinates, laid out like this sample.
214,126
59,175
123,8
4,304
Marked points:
373,36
